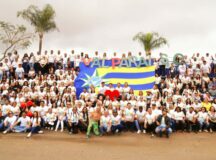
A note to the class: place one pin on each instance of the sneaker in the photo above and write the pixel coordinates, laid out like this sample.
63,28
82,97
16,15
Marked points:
70,132
62,130
5,132
87,136
40,132
144,131
205,130
117,131
139,131
51,128
152,135
29,135
210,130
55,130
200,130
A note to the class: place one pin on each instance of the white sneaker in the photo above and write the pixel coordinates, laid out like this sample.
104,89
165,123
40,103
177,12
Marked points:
139,131
144,131
40,132
29,135
117,131
211,130
205,130
51,128
5,132
152,135
55,130
62,130
200,130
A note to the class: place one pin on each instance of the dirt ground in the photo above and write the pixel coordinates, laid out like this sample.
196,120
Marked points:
127,146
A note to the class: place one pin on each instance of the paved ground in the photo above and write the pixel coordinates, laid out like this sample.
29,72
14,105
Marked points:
127,146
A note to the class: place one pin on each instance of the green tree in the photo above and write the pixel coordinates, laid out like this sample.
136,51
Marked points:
150,41
13,37
42,20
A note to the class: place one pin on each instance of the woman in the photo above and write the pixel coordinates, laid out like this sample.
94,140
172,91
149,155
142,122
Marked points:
35,121
202,117
61,113
179,118
212,119
50,119
73,121
191,120
83,120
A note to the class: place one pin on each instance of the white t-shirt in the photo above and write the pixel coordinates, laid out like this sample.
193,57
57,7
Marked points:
150,118
24,121
179,116
129,114
105,121
10,120
141,115
190,116
34,121
116,120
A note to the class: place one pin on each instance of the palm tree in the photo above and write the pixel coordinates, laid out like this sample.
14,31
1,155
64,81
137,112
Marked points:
150,41
41,20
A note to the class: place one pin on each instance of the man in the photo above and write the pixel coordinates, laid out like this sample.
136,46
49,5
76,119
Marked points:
93,122
105,123
25,123
163,124
129,117
116,122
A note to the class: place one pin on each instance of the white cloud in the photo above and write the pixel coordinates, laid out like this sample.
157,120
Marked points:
109,26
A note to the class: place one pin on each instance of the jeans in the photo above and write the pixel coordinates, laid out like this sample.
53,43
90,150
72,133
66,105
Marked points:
203,125
20,129
139,125
35,129
2,126
160,128
118,127
103,129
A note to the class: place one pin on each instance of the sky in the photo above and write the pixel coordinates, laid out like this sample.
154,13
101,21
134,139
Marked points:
109,25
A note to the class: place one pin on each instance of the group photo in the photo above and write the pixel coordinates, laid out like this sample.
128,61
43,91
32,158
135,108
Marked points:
63,91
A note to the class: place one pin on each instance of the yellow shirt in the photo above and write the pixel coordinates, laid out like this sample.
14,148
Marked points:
206,105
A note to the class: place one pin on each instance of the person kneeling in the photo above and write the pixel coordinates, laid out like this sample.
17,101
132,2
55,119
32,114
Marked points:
105,123
116,123
163,124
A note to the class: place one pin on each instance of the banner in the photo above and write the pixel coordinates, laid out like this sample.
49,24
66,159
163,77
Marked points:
138,77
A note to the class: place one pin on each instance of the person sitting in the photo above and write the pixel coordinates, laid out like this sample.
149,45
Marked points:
163,124
9,122
105,123
24,122
116,126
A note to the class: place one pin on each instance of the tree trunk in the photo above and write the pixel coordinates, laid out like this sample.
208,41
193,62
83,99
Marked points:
40,42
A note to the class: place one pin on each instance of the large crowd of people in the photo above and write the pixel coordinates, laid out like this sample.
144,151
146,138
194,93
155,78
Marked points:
37,93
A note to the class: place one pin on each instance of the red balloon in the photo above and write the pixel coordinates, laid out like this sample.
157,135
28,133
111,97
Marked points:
23,105
116,93
29,103
29,114
107,93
